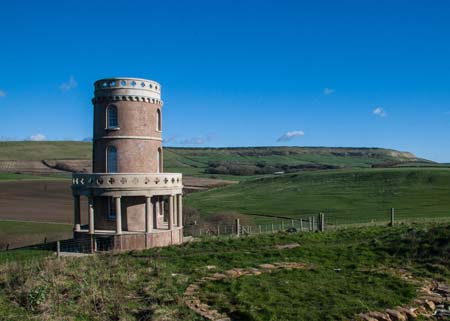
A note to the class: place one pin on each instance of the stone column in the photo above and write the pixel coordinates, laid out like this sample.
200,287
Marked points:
175,211
148,214
161,210
170,216
76,213
180,209
156,211
91,215
118,203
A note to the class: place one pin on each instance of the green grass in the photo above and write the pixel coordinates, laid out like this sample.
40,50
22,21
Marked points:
18,177
149,285
307,295
18,233
194,161
345,196
45,150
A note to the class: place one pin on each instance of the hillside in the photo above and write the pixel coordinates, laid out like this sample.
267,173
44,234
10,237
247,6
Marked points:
60,156
346,196
344,273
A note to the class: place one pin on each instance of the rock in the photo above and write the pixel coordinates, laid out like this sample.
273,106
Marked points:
210,267
365,317
430,305
443,289
434,298
396,315
287,246
410,314
379,316
267,266
218,276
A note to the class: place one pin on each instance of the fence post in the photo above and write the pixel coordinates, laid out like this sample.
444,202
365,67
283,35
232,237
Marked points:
310,224
259,227
238,227
58,249
392,217
320,221
218,229
272,228
292,223
93,244
301,225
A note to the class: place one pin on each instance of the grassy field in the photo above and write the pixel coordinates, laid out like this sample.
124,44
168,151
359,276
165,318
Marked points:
345,196
149,285
45,150
19,177
26,233
221,162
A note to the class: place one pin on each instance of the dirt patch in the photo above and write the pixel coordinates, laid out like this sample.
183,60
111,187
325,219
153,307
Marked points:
38,200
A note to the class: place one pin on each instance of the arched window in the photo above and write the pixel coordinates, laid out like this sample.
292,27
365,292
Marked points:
111,159
159,161
111,117
158,119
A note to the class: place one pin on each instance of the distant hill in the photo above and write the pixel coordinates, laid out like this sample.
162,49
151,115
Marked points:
345,196
63,156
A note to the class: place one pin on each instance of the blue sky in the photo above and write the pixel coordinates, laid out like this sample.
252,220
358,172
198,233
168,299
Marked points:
236,73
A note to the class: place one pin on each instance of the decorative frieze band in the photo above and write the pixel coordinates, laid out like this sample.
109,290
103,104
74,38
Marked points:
127,98
128,137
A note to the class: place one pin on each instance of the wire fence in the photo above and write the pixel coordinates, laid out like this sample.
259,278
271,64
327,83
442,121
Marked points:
319,222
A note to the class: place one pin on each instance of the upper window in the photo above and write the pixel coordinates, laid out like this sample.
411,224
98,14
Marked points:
159,161
158,119
111,117
111,159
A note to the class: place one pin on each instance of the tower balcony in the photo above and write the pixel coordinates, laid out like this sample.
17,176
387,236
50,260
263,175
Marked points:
126,184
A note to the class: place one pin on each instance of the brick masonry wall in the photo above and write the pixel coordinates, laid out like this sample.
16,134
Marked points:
134,119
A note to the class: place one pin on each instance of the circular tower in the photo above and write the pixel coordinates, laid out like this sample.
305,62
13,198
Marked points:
130,199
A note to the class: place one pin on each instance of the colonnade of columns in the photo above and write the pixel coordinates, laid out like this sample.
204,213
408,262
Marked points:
154,208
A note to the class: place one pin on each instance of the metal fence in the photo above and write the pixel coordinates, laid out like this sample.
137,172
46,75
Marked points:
306,224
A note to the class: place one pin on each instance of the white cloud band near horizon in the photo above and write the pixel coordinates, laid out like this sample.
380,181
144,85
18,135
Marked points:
291,135
37,138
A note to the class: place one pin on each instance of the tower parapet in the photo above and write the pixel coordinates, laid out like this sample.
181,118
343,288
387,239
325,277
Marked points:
127,89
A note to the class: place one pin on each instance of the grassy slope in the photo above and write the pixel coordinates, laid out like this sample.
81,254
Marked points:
193,161
149,285
27,233
45,150
19,177
346,196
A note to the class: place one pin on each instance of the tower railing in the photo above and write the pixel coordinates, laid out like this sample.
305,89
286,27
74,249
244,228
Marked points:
127,180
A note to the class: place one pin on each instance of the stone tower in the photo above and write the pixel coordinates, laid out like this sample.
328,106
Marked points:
130,200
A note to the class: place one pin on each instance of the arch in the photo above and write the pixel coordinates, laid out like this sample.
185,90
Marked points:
158,120
159,163
112,121
111,159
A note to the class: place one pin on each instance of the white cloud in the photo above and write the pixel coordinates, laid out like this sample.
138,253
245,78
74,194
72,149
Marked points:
291,135
199,140
37,138
379,112
171,139
72,83
2,93
328,91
